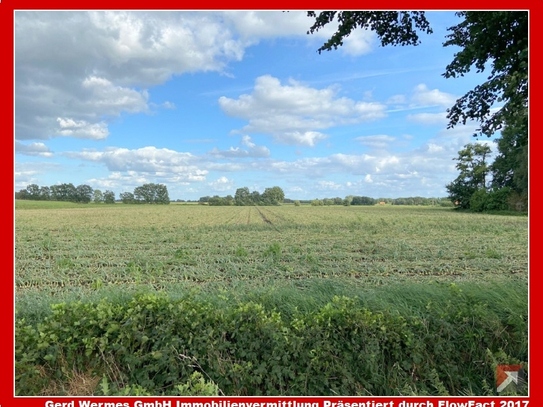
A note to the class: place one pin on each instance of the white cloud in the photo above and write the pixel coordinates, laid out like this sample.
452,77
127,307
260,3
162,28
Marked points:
359,42
306,138
293,113
328,186
252,150
376,141
88,66
82,129
422,96
168,105
255,25
33,149
147,161
222,184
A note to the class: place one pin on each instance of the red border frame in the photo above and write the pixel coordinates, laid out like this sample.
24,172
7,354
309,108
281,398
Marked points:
7,8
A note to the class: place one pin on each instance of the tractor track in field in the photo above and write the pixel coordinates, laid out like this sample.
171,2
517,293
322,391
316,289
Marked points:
265,219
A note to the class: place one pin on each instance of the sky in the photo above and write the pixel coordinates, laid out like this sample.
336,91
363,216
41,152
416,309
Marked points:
206,102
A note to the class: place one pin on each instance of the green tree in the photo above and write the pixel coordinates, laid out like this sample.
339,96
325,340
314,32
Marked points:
510,168
362,200
498,39
243,197
98,196
161,194
255,198
127,197
33,192
473,171
152,194
83,193
392,27
109,197
22,194
45,193
229,200
64,192
273,196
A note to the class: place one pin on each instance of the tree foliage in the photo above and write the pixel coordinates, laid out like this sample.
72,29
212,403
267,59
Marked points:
495,39
498,39
392,27
473,167
151,194
270,196
510,168
66,192
109,197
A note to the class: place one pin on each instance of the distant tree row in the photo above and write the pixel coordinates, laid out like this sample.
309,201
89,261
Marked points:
66,192
366,200
244,197
147,194
144,194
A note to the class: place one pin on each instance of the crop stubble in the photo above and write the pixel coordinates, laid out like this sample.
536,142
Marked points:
128,245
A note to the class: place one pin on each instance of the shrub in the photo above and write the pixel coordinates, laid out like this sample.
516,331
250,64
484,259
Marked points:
155,345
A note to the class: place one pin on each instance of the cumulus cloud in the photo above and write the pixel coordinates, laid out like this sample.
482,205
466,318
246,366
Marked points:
148,161
222,184
422,96
81,129
84,66
251,150
87,65
33,149
298,138
294,113
359,42
257,25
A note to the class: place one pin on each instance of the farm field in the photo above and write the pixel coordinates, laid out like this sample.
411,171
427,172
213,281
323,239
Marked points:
291,257
87,248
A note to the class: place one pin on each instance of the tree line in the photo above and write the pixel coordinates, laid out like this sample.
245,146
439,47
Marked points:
147,194
366,200
245,197
67,192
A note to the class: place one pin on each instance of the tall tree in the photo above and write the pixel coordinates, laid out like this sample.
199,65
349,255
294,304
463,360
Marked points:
510,168
84,193
152,194
33,192
109,197
473,167
98,196
273,196
45,193
64,192
127,197
243,197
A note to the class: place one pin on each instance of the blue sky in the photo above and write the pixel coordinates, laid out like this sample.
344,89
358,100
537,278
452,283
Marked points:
208,102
